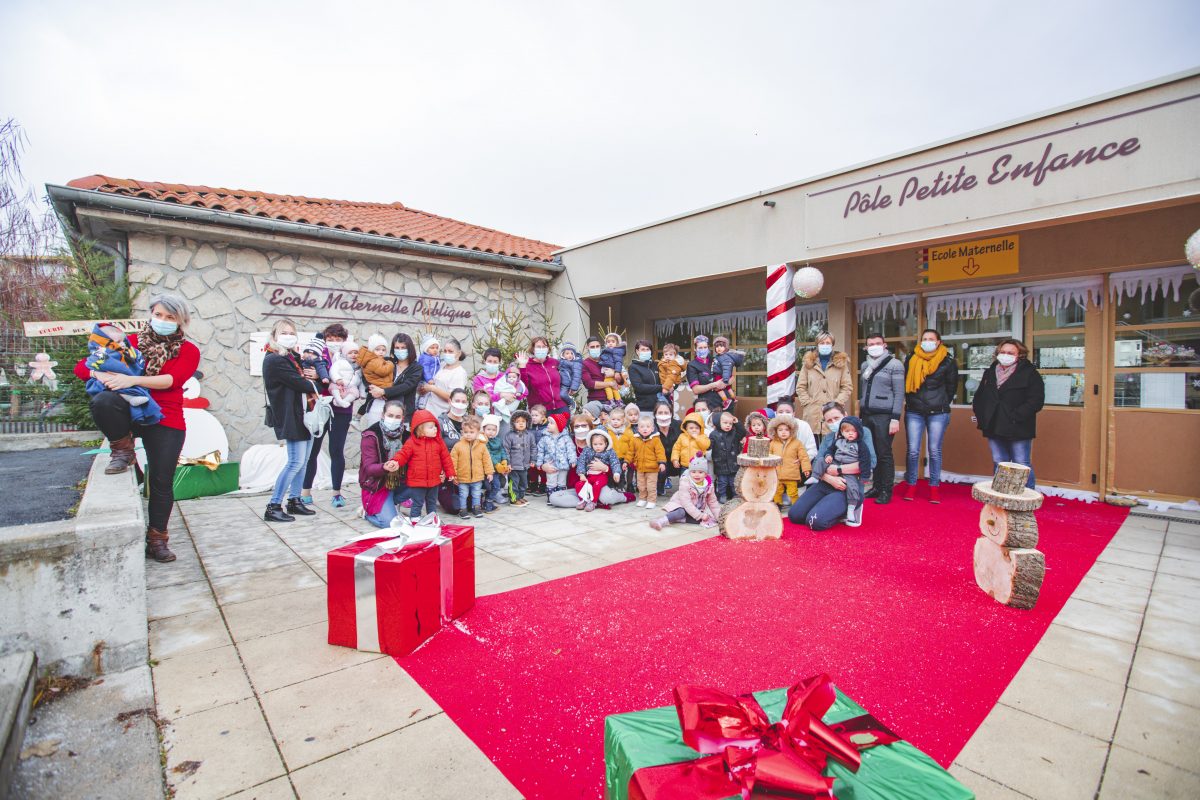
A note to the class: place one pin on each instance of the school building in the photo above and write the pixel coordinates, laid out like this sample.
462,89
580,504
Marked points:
1065,230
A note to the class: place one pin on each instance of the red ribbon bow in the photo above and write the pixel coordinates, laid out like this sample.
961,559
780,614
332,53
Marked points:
748,751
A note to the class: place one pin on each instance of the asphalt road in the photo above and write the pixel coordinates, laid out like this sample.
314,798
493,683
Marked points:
39,485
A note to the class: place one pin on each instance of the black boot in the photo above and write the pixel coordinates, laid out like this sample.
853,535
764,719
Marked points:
275,513
872,492
884,497
297,508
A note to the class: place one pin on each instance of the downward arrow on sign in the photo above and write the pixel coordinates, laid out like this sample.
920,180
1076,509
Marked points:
971,267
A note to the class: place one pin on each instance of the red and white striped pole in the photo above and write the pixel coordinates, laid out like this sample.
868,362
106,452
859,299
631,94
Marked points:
781,334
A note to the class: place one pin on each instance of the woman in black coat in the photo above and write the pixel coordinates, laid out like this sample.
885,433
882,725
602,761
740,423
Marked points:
408,376
1010,395
668,429
643,376
290,392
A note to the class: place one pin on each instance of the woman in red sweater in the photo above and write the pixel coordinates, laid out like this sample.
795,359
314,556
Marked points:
170,360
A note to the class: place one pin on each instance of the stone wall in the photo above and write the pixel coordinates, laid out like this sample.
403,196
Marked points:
225,284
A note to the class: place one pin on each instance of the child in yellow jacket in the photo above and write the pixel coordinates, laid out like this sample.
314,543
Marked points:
622,436
472,466
796,465
691,442
648,457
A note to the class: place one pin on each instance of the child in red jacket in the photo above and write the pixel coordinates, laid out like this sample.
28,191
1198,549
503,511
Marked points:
428,460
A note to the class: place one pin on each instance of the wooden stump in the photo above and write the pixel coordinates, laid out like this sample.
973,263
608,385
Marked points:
758,448
756,483
1012,577
1013,529
1026,500
747,519
1010,478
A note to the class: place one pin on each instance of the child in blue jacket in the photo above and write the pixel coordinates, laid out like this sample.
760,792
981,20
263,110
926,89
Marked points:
110,351
570,374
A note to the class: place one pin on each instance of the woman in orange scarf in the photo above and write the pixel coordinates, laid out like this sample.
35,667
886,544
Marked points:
930,386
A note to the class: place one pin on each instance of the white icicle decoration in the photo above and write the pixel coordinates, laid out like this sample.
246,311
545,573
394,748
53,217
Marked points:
709,323
1147,283
973,304
901,306
1048,298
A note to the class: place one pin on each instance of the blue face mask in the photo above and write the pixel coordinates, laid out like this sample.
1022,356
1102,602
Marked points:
401,353
701,352
594,352
644,355
162,327
491,369
825,349
540,352
449,359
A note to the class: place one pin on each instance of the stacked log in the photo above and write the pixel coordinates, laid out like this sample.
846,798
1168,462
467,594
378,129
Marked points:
1007,565
753,515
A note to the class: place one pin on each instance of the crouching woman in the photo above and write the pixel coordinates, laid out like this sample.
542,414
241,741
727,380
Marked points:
379,475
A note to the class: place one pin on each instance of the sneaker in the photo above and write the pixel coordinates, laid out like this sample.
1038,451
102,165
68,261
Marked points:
590,507
338,501
581,505
658,524
479,514
487,509
641,504
854,516
407,503
464,514
306,499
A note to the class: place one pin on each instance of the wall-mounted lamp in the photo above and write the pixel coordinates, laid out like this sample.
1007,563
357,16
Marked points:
769,203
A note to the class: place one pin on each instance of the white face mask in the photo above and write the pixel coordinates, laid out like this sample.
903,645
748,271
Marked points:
929,347
1006,359
286,340
459,405
876,350
663,419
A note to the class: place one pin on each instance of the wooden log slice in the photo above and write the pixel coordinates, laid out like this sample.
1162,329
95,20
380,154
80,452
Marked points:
1012,577
755,461
758,447
1027,500
741,519
1008,528
1010,478
756,483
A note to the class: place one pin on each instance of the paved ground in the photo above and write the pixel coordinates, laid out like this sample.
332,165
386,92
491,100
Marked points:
59,471
248,689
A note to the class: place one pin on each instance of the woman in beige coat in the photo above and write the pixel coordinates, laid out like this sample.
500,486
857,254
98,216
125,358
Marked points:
824,377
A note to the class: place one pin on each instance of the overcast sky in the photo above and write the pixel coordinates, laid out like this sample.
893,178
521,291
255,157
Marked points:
558,120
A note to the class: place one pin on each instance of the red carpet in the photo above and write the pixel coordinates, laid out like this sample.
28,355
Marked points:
890,610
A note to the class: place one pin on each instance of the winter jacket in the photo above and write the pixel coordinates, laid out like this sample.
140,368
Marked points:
726,446
670,373
702,372
816,386
937,391
696,502
613,358
404,387
427,458
622,443
495,448
883,391
289,395
482,382
347,372
102,359
539,431
647,453
796,465
592,376
376,370
521,447
669,438
371,473
558,450
826,447
647,385
1010,411
472,462
687,446
543,382
570,374
866,449
609,457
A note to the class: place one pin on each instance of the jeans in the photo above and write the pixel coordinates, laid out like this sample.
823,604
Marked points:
388,513
339,426
820,507
468,495
492,487
163,445
724,488
1019,451
915,426
288,484
424,500
884,474
520,482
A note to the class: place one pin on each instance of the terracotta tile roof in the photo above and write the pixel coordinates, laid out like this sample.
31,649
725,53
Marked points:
384,219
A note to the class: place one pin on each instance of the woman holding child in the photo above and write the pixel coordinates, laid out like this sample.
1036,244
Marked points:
706,385
170,361
540,374
291,391
379,476
408,375
644,377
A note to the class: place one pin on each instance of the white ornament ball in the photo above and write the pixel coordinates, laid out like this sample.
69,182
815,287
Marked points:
1192,249
808,282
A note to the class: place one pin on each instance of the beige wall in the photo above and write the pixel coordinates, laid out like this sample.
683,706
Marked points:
807,222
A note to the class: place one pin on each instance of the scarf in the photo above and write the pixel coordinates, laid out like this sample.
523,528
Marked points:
1003,373
921,365
158,350
872,365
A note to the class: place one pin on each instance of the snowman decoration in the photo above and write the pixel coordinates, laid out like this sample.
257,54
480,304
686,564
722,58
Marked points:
205,434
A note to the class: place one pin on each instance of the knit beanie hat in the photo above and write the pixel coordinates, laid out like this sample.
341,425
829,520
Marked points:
376,340
565,346
595,409
491,419
349,346
699,462
428,342
314,345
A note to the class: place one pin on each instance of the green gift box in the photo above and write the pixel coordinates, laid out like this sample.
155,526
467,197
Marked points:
196,481
896,771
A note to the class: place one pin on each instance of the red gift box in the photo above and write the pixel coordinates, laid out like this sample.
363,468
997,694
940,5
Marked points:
386,598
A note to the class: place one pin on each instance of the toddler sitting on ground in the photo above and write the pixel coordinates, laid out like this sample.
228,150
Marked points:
694,502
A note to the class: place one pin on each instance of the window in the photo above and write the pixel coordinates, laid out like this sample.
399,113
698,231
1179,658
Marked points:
894,317
1156,344
812,319
972,325
746,331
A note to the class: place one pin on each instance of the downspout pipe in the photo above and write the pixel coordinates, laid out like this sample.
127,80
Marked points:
63,196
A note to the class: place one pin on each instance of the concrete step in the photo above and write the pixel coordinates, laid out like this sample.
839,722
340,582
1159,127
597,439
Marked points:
18,674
